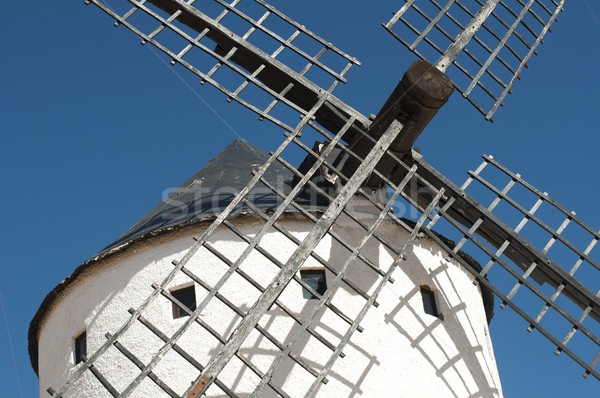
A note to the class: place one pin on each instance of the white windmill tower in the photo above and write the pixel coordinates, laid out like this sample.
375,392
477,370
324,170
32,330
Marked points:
257,278
425,312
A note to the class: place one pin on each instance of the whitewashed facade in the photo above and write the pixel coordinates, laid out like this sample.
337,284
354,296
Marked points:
402,352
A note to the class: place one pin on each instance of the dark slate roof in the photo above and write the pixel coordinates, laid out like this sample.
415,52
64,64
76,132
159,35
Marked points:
213,187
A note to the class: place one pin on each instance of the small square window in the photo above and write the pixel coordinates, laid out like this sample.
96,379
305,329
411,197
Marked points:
187,297
315,279
429,304
80,347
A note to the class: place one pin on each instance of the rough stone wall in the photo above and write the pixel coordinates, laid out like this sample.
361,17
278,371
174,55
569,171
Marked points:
402,352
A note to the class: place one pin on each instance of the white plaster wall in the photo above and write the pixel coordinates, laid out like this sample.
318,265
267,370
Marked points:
402,352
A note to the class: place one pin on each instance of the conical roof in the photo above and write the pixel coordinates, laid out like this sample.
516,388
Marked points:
205,194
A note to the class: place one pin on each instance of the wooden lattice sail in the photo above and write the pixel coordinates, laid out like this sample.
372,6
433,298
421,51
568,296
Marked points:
494,43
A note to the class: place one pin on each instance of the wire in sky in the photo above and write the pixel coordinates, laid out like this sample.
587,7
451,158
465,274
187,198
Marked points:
592,12
11,345
196,93
190,87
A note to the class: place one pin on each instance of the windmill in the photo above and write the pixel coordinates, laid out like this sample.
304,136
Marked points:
405,171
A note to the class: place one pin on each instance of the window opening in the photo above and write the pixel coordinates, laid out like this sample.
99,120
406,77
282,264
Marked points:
429,303
315,278
80,347
187,297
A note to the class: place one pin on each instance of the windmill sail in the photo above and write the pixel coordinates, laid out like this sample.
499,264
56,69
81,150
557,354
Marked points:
483,45
240,47
336,174
543,264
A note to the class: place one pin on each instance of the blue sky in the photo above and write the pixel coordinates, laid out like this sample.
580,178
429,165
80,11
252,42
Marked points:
95,127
